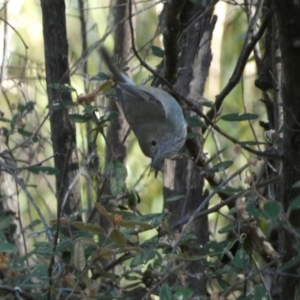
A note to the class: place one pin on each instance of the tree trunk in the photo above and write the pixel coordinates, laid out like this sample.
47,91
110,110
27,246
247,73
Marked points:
184,178
63,133
288,20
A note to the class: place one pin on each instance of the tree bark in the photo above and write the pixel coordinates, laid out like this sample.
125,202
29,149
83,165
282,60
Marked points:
182,177
288,20
63,133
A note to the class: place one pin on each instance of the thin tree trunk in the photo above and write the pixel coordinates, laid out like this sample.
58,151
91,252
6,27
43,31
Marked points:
63,132
288,21
183,178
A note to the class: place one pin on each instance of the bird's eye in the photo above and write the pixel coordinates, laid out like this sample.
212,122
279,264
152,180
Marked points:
153,143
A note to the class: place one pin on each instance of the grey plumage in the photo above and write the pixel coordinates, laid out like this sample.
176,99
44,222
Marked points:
154,115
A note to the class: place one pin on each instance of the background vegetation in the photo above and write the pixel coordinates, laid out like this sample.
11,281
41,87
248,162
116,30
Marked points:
82,216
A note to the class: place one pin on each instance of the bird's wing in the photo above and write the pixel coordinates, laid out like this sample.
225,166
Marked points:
145,99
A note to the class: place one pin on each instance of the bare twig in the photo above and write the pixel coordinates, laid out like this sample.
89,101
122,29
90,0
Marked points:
239,68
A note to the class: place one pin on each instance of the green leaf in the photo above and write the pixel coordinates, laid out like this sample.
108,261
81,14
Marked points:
272,209
134,224
175,198
260,293
79,118
27,108
118,237
221,166
118,174
253,211
208,104
88,227
228,228
15,120
113,115
165,293
142,258
184,294
26,133
4,222
240,260
62,104
4,120
195,122
157,51
192,135
63,87
295,203
78,256
100,76
239,117
43,169
7,247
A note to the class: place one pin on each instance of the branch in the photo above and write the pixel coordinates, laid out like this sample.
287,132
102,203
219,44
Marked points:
143,63
29,197
239,68
268,154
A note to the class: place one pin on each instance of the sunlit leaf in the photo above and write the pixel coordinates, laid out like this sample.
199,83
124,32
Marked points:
79,257
88,227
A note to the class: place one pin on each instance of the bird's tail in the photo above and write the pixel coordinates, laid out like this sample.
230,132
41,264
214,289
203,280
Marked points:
117,74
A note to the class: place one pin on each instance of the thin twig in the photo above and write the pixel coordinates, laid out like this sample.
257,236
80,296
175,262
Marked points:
239,68
29,197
